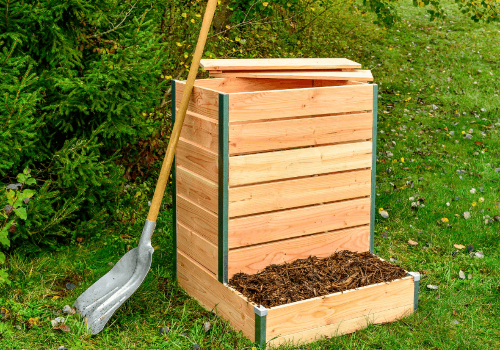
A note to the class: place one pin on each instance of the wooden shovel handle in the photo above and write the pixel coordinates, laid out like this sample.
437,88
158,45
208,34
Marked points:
179,117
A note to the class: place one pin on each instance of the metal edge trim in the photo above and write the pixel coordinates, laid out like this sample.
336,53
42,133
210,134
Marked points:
174,193
416,280
223,214
260,325
374,168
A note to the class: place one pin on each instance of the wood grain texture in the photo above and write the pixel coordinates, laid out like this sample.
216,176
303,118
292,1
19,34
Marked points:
197,219
213,295
292,133
263,167
360,75
235,85
343,327
202,131
300,102
257,229
198,159
277,63
255,258
197,189
203,100
287,194
197,248
323,311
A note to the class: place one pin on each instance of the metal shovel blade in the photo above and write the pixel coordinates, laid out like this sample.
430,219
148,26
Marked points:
99,302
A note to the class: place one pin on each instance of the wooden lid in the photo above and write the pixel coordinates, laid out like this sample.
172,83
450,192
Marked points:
266,64
357,75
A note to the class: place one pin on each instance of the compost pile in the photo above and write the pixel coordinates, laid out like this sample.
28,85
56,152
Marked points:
308,278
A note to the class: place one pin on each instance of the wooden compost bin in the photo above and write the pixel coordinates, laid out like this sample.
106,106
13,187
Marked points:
275,163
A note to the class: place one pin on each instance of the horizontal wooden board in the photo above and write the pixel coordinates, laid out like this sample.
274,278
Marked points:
198,159
197,248
198,189
359,75
213,295
234,85
277,63
300,102
198,219
263,167
323,311
252,199
202,131
255,258
343,327
257,229
301,132
203,100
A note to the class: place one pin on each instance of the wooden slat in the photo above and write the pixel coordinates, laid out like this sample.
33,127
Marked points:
213,295
233,85
286,224
197,159
322,311
202,131
278,165
277,63
255,258
287,194
203,101
292,133
360,75
343,327
198,189
300,102
197,248
197,219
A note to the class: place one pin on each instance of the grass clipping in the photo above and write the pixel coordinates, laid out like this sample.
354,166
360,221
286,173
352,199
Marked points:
312,277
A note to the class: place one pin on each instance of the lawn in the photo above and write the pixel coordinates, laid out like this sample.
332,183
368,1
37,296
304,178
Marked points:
438,178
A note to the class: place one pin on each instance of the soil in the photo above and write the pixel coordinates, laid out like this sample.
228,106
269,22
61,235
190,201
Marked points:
312,277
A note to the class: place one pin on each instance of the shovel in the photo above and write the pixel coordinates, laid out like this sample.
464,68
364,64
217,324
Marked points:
98,303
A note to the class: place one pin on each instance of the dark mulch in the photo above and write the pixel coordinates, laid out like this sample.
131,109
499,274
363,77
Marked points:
308,278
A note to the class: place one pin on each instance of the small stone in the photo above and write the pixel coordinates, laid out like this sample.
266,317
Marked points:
111,264
479,255
452,133
461,275
497,170
467,215
455,322
66,309
384,214
13,186
206,326
18,327
57,321
432,286
411,199
70,286
384,234
62,347
196,346
497,217
469,276
8,209
470,248
392,260
163,330
447,204
472,190
468,136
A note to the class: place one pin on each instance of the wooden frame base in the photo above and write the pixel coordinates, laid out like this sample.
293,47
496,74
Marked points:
303,321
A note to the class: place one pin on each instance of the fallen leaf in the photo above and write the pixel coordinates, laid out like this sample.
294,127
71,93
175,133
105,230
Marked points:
461,275
445,220
467,215
410,242
459,246
65,328
206,326
79,239
479,255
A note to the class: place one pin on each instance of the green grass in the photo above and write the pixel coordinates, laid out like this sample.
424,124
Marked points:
436,80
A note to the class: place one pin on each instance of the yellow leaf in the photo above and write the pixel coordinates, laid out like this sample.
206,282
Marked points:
474,204
421,4
402,160
265,3
198,15
179,44
445,220
184,15
481,200
380,210
192,20
55,297
237,39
